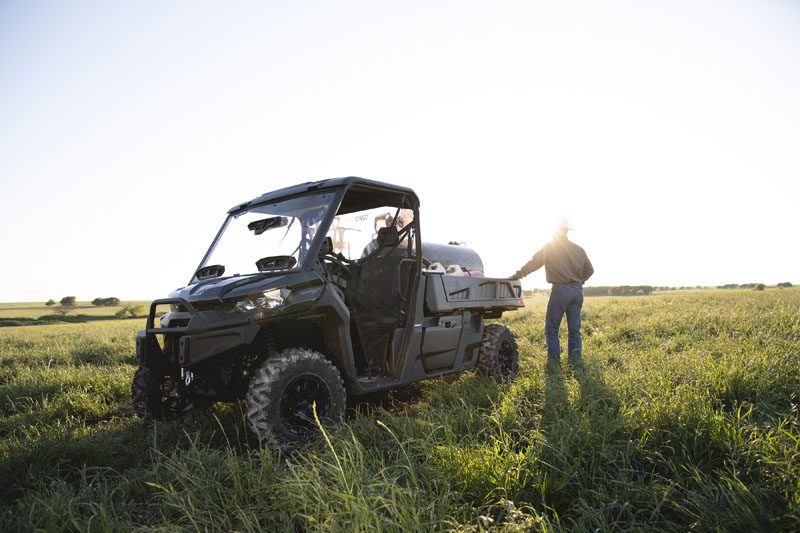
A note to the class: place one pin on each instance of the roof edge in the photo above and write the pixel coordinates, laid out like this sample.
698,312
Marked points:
320,185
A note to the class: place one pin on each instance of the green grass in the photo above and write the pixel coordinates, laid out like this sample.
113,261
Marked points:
685,416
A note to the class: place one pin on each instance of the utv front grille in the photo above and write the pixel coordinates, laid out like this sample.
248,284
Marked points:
207,306
180,303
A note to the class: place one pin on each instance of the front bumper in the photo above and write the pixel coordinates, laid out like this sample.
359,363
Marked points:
207,333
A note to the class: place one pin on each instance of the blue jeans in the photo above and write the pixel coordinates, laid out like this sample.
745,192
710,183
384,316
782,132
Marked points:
564,298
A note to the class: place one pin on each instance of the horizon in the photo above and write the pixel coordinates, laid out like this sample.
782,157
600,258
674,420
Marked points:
656,288
667,134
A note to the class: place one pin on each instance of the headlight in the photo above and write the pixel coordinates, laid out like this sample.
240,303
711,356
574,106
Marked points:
275,298
267,300
245,305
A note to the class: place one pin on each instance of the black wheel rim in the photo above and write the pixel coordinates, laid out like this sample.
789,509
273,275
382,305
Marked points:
169,396
297,404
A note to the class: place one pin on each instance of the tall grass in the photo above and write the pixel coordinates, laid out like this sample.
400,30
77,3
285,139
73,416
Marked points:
685,415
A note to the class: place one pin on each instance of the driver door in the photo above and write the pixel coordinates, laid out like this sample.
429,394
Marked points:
380,241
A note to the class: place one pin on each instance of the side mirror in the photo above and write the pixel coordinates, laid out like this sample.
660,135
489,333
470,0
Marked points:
276,262
211,271
326,247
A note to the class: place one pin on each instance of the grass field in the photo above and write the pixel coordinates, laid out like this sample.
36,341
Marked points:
82,312
685,415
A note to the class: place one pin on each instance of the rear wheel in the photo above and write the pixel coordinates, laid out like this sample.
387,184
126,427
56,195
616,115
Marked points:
498,357
282,395
156,396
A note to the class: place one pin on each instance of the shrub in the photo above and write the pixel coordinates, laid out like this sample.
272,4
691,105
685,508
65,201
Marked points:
760,287
68,301
129,311
111,301
50,302
784,285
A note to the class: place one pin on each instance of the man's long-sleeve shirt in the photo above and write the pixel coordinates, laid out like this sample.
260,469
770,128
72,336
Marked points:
563,261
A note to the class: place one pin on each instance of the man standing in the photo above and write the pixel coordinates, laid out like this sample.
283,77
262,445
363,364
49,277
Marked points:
567,267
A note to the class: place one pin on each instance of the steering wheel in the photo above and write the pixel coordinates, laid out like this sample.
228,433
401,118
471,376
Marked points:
339,261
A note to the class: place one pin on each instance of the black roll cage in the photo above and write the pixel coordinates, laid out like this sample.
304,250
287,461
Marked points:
341,191
341,187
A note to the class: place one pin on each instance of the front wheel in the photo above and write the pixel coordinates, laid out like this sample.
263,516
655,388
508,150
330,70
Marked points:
156,396
498,357
282,395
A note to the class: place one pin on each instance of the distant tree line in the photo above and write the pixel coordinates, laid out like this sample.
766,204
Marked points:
72,301
684,288
66,301
641,290
531,292
111,301
756,286
621,290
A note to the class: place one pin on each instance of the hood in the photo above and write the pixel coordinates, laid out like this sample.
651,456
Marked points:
233,287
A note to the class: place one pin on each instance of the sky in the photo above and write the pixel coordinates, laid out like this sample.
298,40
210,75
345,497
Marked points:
668,133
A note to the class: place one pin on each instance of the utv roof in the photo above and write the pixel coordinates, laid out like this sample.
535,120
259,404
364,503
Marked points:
321,185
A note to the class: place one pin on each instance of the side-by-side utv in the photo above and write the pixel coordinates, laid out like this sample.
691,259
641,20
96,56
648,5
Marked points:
313,291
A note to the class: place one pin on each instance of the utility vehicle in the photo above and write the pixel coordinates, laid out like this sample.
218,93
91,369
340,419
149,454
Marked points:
315,291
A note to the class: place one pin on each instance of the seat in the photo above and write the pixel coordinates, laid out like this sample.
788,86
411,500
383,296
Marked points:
376,305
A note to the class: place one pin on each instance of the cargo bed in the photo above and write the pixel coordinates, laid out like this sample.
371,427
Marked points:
446,294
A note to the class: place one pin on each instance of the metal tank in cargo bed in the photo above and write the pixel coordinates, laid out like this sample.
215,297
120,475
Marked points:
343,304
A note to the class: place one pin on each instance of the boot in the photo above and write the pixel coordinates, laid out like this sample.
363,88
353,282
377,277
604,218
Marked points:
574,360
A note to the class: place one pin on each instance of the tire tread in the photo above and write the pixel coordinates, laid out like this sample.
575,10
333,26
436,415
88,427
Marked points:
265,391
490,361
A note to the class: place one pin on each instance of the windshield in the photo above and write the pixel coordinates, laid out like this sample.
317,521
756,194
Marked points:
274,236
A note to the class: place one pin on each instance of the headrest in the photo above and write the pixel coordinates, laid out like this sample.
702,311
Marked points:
387,237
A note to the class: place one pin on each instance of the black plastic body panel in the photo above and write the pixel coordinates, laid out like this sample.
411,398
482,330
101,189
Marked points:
440,345
205,336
